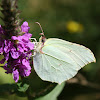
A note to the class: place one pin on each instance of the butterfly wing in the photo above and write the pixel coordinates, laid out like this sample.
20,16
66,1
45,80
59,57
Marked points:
75,51
61,60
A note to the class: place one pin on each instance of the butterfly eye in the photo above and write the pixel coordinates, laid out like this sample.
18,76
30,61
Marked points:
43,39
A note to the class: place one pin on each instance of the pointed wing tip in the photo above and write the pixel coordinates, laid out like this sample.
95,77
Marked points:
93,60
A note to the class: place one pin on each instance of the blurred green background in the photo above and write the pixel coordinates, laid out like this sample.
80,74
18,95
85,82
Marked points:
72,20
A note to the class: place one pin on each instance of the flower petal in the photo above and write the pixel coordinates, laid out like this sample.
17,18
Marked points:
16,75
14,53
25,27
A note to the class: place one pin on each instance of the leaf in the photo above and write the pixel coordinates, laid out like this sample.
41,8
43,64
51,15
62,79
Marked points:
23,85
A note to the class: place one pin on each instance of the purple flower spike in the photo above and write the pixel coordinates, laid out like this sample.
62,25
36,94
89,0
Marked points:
17,54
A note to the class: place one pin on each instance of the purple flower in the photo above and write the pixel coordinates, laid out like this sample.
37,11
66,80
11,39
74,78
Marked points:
14,53
17,53
6,56
1,47
8,45
25,28
24,44
16,75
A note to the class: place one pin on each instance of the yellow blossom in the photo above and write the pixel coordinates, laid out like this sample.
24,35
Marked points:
73,27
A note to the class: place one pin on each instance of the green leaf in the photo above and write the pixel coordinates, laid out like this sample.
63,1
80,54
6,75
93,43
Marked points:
23,85
54,93
22,88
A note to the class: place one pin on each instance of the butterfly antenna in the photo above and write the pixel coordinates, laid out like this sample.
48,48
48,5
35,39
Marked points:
40,28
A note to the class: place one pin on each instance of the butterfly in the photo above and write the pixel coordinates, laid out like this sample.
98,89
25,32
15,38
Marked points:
57,60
